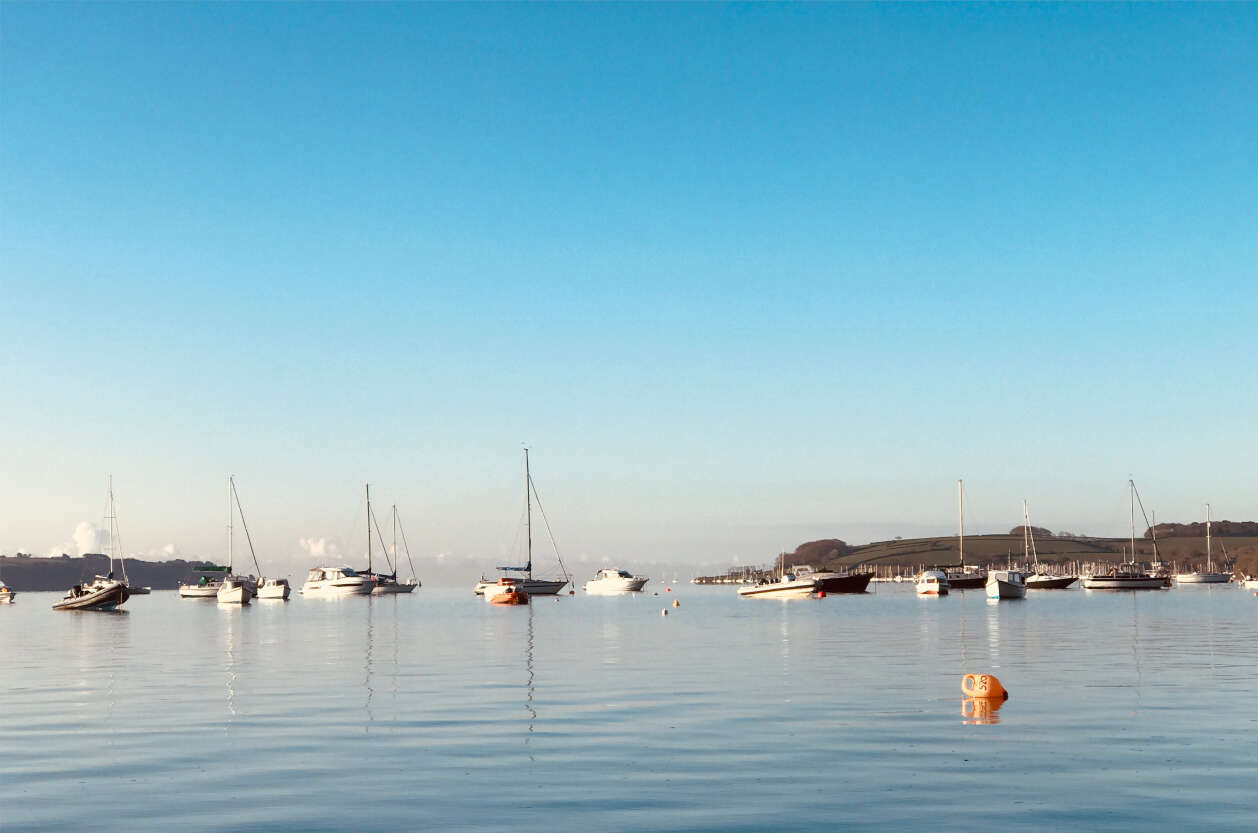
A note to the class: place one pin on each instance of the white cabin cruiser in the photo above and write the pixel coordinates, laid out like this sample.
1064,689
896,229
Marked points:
932,583
1005,584
6,594
788,586
336,581
612,580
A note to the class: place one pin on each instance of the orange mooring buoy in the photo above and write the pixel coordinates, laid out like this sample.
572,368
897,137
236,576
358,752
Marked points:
983,686
821,594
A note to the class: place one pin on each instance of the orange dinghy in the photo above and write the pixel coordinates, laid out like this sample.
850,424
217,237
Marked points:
509,593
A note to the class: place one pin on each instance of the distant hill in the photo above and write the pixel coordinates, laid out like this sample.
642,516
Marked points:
24,573
1218,529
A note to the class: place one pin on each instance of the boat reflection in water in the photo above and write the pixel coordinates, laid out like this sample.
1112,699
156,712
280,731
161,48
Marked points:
981,711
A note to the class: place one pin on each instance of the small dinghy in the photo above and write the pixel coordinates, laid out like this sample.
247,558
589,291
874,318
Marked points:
509,593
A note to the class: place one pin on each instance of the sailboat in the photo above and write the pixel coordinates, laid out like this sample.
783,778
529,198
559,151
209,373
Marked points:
1127,576
234,589
1039,580
342,581
961,577
1209,576
528,584
387,583
106,592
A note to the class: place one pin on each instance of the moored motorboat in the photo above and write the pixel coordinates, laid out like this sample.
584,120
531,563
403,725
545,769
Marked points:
786,586
105,593
1249,583
202,582
932,583
1005,584
336,581
273,589
832,581
507,592
234,590
6,594
615,580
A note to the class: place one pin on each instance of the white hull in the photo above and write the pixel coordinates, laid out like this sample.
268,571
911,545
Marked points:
1123,582
199,591
791,588
391,589
1203,578
531,586
336,588
1250,583
234,593
1005,590
273,592
615,585
932,583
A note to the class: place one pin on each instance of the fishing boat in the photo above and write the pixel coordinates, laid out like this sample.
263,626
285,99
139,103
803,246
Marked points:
202,582
785,586
835,581
235,589
104,592
1209,576
387,583
510,593
1005,584
1127,576
527,583
615,580
933,583
273,589
1039,580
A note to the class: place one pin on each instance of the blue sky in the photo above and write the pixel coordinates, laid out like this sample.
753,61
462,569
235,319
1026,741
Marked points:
742,276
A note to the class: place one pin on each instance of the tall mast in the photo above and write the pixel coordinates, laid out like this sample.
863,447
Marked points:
1133,520
230,560
1026,529
961,523
368,529
528,502
1209,561
395,540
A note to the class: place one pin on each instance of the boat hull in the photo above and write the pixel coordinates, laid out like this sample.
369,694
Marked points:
392,589
841,583
967,582
335,589
234,593
1124,583
274,594
1050,582
1203,578
199,591
531,586
779,590
106,597
999,589
604,585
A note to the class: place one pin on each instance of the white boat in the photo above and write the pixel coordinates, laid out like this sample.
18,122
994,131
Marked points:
1209,576
202,582
786,586
387,583
234,589
105,592
6,594
1039,580
1005,584
932,583
1128,576
613,580
273,589
526,582
1249,583
336,581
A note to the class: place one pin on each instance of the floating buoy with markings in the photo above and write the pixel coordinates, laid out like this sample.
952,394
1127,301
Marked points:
983,686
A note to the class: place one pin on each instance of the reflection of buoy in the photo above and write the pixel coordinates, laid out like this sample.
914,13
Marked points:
676,603
821,594
981,710
982,686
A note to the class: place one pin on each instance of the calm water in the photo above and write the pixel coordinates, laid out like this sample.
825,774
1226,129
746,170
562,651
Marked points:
1129,711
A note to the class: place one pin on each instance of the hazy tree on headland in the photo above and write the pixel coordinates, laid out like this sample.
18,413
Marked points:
1219,529
1037,531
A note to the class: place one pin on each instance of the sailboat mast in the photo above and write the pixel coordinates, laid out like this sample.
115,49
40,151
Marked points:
231,558
395,539
1026,529
528,502
961,523
1133,520
1209,560
368,529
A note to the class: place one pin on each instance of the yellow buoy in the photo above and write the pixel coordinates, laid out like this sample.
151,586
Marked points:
676,603
982,686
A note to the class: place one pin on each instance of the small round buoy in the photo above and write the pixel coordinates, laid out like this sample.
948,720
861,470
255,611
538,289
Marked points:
676,603
572,592
668,590
556,598
821,594
664,612
983,685
656,594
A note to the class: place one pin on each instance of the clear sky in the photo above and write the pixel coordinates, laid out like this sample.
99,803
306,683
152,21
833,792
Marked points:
741,276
